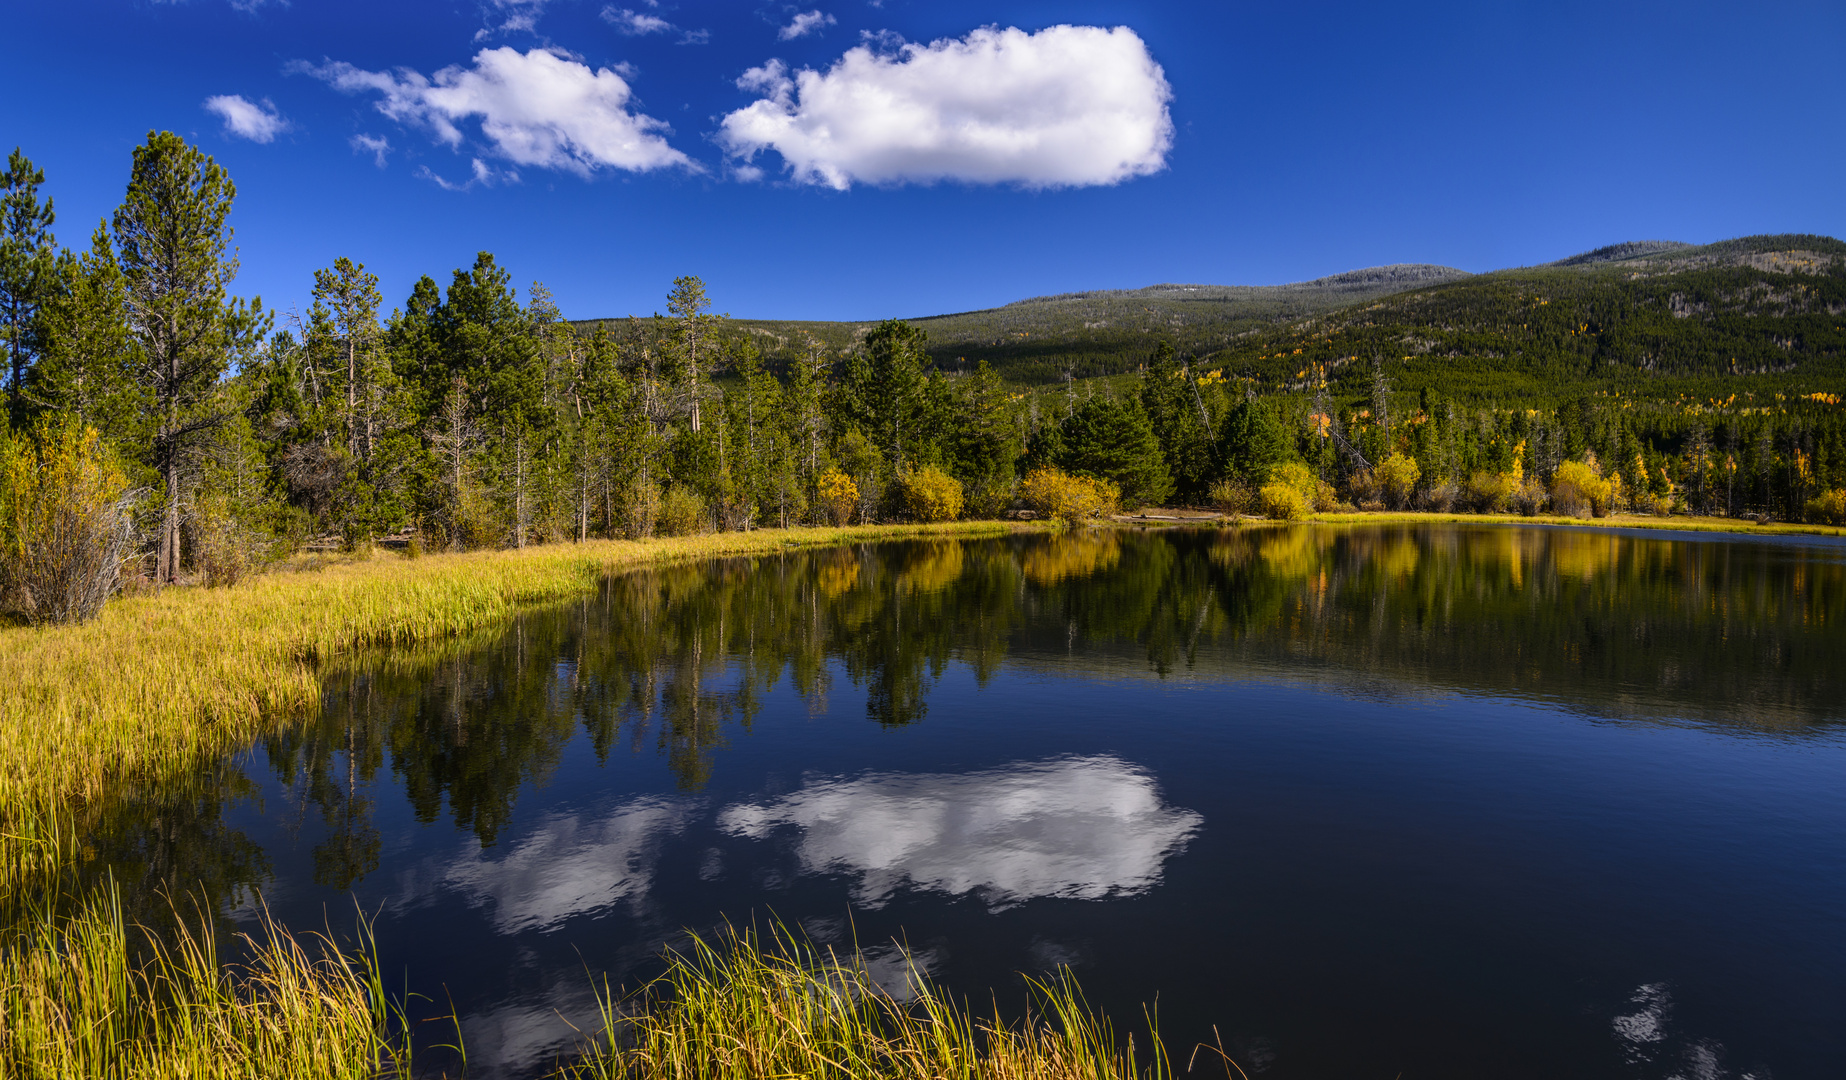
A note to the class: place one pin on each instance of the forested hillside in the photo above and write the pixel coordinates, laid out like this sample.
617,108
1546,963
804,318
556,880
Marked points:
1751,317
1107,332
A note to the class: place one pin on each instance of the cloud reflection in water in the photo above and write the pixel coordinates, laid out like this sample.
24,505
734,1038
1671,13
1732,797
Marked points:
566,866
1079,828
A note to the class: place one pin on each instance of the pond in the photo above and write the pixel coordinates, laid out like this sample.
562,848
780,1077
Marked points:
1443,801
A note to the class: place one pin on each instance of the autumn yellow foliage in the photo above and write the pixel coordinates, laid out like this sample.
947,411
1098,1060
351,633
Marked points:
930,495
1064,497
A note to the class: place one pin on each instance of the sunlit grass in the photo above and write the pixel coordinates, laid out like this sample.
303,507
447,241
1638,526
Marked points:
163,683
748,1008
84,994
1613,521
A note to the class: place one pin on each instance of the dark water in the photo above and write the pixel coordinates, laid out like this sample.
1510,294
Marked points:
1429,802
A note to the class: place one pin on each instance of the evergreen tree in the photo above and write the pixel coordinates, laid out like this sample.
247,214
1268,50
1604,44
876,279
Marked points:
1176,408
177,265
88,365
1113,440
986,433
884,391
1254,442
28,274
695,340
805,413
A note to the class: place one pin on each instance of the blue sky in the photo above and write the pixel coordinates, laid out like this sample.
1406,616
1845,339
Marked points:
1225,142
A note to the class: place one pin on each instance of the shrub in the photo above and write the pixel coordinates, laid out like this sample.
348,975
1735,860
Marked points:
930,495
1530,497
1578,491
1283,502
64,524
1064,497
839,495
682,513
1316,494
988,498
226,549
1233,497
1657,505
1441,497
1397,478
1489,492
1828,508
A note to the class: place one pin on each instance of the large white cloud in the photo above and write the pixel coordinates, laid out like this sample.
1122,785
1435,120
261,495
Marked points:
247,119
1068,106
541,108
1083,828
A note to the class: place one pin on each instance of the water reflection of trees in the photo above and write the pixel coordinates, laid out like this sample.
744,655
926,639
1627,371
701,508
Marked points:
681,658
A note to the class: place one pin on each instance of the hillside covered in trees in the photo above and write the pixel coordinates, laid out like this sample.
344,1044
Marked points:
162,428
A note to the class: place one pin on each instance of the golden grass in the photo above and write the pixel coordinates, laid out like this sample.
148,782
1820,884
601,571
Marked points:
746,1009
84,994
161,684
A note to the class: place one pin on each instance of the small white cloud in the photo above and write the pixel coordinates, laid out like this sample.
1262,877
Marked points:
1069,106
376,145
481,174
635,23
808,22
541,108
246,119
515,16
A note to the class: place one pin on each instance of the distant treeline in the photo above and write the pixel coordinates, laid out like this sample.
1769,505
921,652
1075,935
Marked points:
160,420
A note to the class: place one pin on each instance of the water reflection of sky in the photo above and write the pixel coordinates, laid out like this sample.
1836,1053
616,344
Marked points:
1081,828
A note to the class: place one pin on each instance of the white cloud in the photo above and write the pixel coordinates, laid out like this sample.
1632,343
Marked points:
808,22
1082,828
1069,106
567,866
376,145
635,23
541,108
482,175
247,119
515,16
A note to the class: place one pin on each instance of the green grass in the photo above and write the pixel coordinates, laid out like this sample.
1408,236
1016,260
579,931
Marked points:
750,1008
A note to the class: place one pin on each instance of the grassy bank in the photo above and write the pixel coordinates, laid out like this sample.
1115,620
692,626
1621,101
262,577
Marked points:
1613,521
86,994
749,1007
160,684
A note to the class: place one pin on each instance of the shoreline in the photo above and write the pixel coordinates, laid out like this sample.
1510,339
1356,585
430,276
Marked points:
162,682
1188,517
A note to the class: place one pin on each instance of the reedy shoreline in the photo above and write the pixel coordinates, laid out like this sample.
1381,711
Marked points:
162,683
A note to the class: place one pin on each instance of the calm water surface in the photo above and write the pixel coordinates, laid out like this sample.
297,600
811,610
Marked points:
1429,802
